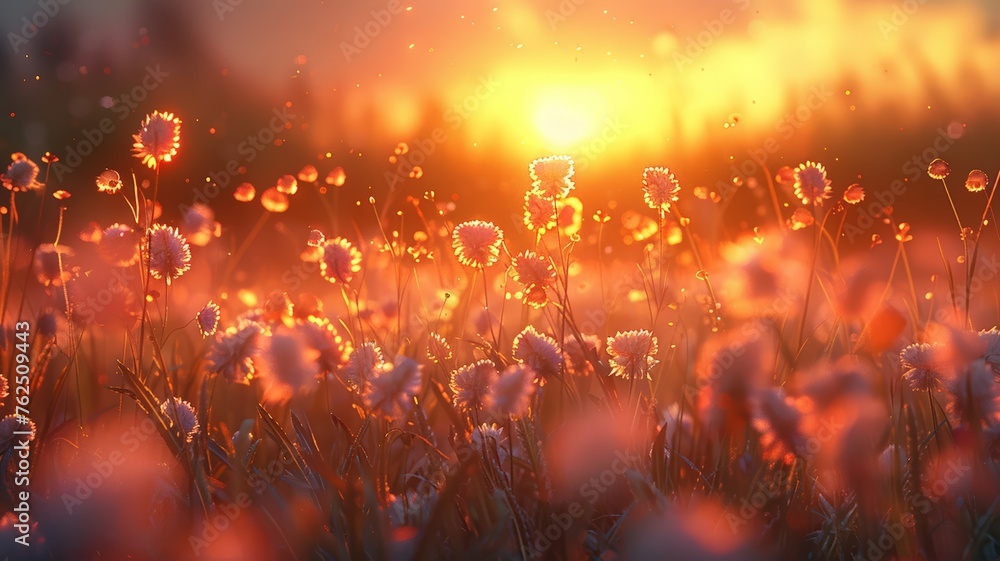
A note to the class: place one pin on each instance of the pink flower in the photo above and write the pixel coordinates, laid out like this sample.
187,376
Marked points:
632,353
538,351
473,385
550,177
811,184
513,390
169,253
158,138
660,188
391,390
340,260
208,319
477,243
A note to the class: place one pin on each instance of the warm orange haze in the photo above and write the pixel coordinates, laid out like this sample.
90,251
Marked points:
504,280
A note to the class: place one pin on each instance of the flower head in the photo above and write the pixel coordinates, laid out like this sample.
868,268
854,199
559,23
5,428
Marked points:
921,367
109,182
539,214
811,184
158,138
660,188
537,350
577,355
977,181
550,177
854,194
361,365
632,353
208,319
119,245
181,414
21,174
535,273
232,353
392,387
477,243
513,390
198,225
340,260
438,349
169,252
938,169
473,385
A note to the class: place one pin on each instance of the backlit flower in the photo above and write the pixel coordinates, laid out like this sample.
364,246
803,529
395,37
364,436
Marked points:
811,184
340,260
21,174
938,169
119,245
232,353
438,349
477,243
921,367
854,194
473,385
208,319
577,356
169,253
977,181
391,389
109,182
632,353
513,390
550,177
660,188
181,414
801,218
158,138
539,214
530,269
198,225
537,350
361,365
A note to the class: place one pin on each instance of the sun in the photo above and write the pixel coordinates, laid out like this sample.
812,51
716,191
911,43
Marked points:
565,117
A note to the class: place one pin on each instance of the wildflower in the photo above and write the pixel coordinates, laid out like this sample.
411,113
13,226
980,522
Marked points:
477,243
991,348
10,424
308,174
632,353
361,365
119,245
50,264
539,213
438,349
340,260
472,385
232,352
287,184
208,319
921,367
938,169
316,238
198,225
569,217
854,194
391,389
244,192
550,177
274,200
158,138
336,177
801,218
974,395
486,437
513,390
811,184
21,174
109,181
977,181
530,269
291,364
181,414
577,355
321,336
538,351
660,188
169,253
785,175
